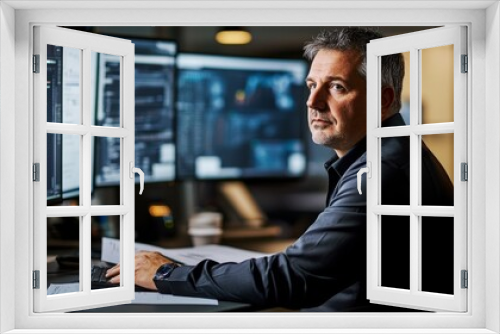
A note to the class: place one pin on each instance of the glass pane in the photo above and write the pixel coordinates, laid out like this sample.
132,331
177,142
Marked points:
437,169
54,166
63,169
94,67
107,171
437,84
395,252
63,84
108,90
396,73
437,254
395,169
109,227
63,260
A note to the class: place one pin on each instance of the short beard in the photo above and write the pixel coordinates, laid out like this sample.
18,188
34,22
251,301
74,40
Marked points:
336,142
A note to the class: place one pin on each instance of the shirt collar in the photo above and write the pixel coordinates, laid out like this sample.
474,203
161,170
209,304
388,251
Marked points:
340,165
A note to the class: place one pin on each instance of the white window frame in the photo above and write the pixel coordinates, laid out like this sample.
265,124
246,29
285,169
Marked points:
414,43
484,291
85,43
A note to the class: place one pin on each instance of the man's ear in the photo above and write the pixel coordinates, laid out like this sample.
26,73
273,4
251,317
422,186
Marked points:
387,99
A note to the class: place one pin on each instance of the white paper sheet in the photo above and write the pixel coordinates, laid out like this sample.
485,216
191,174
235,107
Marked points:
187,256
140,297
55,289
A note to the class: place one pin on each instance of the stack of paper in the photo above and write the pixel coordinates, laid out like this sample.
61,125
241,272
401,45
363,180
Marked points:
188,256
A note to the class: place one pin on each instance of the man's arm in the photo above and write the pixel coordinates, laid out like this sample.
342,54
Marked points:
146,265
323,261
329,257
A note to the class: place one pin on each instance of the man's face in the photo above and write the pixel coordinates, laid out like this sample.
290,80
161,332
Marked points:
337,100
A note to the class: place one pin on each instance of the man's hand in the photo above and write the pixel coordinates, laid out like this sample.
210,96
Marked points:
146,265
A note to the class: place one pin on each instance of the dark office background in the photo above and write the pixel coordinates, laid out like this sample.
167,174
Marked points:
291,204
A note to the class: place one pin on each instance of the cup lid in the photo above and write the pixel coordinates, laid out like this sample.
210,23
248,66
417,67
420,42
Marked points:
204,231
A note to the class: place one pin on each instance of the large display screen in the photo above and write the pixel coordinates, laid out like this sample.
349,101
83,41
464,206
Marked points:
240,117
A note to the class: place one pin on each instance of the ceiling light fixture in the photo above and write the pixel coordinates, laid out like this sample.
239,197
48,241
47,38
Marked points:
233,35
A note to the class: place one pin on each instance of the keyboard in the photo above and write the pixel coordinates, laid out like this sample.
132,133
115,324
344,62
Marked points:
99,280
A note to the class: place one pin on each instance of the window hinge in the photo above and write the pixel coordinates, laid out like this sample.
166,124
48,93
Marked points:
465,64
36,63
36,172
464,171
36,279
465,279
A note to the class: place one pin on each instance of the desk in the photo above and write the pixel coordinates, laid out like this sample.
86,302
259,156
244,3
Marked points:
268,246
69,277
137,308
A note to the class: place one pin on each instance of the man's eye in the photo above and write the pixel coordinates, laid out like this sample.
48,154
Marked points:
337,86
311,86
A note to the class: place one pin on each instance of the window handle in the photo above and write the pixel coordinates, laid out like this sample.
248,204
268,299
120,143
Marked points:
134,170
366,170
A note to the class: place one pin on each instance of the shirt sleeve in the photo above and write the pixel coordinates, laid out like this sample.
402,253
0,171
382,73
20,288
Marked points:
327,258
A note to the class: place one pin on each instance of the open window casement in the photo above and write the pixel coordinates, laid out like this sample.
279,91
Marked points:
418,244
64,124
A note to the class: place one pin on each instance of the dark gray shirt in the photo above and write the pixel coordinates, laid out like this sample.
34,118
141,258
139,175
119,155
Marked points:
325,269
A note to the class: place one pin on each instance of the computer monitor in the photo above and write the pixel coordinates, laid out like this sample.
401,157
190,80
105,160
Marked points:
240,118
154,113
54,114
54,165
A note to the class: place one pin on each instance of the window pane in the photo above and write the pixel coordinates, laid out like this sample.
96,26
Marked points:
437,169
54,166
103,226
108,90
63,169
395,169
107,173
63,84
437,84
94,67
437,254
399,62
395,252
63,261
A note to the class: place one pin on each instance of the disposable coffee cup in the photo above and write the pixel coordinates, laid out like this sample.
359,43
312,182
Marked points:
206,219
205,235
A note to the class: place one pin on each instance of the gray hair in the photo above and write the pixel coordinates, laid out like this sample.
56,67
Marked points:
356,38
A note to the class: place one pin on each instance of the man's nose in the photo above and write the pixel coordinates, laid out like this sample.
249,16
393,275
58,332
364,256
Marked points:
316,100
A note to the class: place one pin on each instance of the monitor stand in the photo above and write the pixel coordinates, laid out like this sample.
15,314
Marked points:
244,216
188,196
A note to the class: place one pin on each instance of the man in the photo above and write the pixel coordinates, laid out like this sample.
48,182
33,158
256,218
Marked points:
325,269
